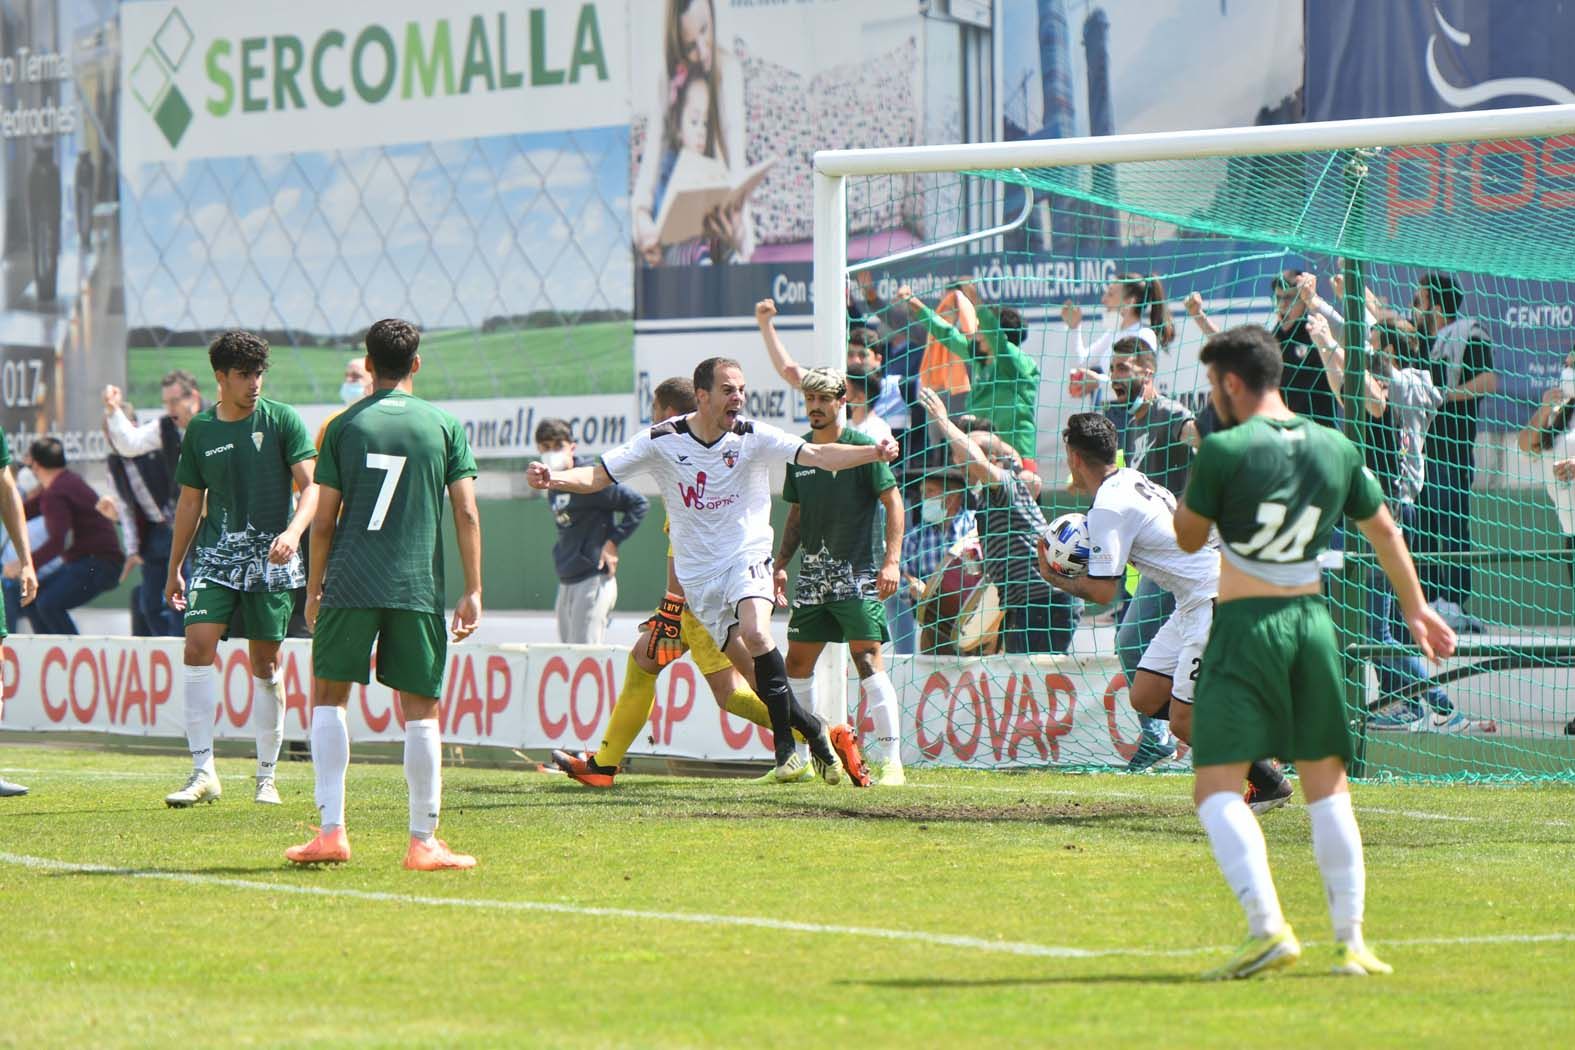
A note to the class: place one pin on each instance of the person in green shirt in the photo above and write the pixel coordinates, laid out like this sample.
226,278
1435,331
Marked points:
834,517
15,527
239,465
1271,684
377,582
1005,381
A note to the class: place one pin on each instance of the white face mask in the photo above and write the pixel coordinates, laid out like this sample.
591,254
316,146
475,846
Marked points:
1567,382
561,459
933,510
26,480
350,392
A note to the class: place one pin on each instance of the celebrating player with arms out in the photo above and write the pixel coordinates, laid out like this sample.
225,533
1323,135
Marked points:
713,468
1131,520
377,579
1276,485
833,516
241,457
663,639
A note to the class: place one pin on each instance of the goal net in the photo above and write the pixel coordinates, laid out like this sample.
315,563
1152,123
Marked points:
1436,253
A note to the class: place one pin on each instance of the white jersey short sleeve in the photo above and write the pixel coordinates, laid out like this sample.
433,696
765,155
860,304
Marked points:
718,496
1132,520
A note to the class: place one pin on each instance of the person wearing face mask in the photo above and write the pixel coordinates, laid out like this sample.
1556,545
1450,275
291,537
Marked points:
1157,437
1138,310
1550,437
590,530
944,521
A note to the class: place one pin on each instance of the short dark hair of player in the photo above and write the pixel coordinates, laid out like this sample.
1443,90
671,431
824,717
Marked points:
864,336
705,371
181,378
869,382
392,344
1093,436
553,432
677,394
1132,346
48,452
238,351
1013,329
1247,352
1443,293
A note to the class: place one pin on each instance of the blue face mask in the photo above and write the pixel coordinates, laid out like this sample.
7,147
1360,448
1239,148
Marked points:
350,392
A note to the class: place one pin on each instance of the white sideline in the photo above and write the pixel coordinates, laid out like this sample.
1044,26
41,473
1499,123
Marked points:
944,940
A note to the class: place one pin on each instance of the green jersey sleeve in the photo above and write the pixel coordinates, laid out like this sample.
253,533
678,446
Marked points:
1365,495
5,450
946,334
293,438
1205,486
881,477
461,461
188,471
789,487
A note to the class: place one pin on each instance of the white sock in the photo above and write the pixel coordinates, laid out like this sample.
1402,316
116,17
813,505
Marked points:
881,697
1243,858
268,722
804,693
202,703
1338,846
423,775
330,759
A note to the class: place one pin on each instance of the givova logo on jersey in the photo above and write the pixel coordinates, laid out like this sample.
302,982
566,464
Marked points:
694,495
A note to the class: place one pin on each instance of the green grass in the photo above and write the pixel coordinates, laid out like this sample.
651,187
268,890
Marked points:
1105,864
530,362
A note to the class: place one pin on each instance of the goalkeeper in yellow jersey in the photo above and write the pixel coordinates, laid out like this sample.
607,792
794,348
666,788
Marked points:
663,639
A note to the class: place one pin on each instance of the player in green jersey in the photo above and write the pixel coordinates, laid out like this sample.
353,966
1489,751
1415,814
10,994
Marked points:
16,528
240,462
1270,685
833,515
377,580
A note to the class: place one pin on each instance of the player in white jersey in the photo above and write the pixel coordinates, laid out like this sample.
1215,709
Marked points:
1133,520
713,469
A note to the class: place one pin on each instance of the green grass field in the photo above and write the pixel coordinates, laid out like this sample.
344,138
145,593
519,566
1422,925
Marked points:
528,362
1085,906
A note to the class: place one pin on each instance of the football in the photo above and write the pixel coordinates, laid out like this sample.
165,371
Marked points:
1064,546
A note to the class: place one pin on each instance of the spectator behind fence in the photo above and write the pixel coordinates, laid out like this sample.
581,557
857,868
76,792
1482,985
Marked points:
1003,381
1550,437
76,532
590,530
1400,401
155,448
1461,360
1038,618
1137,306
944,522
143,504
863,359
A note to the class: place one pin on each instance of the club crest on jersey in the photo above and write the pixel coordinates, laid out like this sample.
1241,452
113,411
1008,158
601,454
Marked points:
257,437
730,457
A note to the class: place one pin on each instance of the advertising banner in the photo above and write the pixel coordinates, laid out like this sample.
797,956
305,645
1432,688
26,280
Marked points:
731,100
62,320
303,170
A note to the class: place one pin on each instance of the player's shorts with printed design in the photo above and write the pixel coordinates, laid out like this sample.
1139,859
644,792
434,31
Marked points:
1271,684
844,620
1177,649
702,647
412,648
267,613
715,602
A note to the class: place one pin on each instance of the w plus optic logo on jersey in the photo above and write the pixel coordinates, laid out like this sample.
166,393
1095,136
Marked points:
694,495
